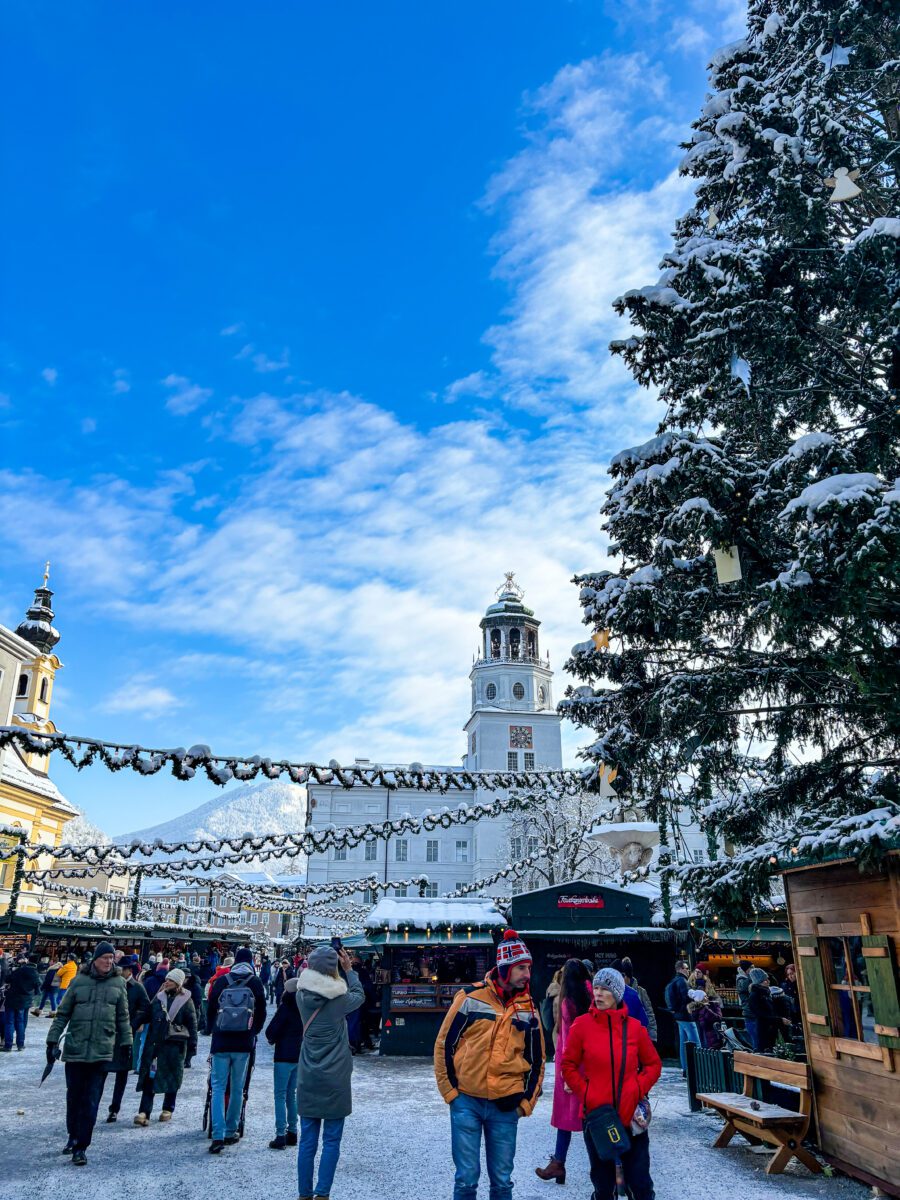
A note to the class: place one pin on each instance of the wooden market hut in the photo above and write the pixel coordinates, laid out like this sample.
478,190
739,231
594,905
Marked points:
846,931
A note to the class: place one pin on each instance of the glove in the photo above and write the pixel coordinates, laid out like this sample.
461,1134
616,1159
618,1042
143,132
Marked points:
509,1103
52,1053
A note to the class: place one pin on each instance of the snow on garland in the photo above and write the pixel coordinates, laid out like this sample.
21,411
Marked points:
222,769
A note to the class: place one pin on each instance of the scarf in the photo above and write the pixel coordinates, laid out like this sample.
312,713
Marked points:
173,1008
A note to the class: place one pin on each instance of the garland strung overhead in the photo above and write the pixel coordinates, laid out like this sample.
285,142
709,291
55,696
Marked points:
221,769
287,844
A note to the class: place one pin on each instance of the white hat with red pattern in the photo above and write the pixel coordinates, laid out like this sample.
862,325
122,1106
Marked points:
511,952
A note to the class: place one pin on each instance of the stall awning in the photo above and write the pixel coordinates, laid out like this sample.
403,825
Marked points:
751,933
640,933
418,937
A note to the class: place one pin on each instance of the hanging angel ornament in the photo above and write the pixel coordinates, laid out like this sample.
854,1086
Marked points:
712,219
601,639
844,187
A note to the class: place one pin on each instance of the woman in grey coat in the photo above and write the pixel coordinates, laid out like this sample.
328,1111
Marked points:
326,1064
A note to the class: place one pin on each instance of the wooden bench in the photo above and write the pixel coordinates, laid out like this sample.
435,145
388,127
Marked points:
768,1123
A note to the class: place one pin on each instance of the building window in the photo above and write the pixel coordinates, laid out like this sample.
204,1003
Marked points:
850,995
462,851
431,850
340,854
698,855
371,851
490,691
23,686
400,891
369,896
518,691
44,689
532,845
192,901
254,918
460,884
431,890
401,850
515,848
512,760
529,760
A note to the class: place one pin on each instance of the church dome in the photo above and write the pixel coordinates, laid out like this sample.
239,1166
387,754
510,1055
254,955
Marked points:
37,627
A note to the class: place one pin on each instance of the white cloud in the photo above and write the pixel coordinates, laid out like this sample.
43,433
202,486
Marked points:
88,425
141,697
50,375
184,396
121,382
264,364
232,330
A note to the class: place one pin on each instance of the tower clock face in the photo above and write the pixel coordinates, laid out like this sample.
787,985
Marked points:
521,737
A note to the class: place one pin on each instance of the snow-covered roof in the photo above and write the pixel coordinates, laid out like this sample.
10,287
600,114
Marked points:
15,773
421,912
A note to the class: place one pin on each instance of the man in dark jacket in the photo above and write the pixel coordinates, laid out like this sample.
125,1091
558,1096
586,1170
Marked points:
22,984
766,1021
94,1018
231,1047
138,1016
285,1033
677,1002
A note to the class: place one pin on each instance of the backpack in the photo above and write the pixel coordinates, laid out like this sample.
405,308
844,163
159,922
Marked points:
237,1006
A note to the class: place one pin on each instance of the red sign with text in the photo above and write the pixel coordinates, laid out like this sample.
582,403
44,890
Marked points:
572,901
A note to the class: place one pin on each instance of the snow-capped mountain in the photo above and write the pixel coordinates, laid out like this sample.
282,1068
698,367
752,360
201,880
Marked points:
256,809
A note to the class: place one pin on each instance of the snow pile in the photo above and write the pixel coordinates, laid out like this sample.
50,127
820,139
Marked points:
836,489
424,912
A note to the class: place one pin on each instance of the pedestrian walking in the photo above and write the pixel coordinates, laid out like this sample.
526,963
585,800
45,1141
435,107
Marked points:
575,997
283,972
633,1001
235,1013
138,1017
549,1012
171,1039
22,985
610,1064
154,981
94,1017
49,989
265,975
766,1022
489,1066
707,1012
194,987
327,991
677,1002
285,1033
65,975
631,981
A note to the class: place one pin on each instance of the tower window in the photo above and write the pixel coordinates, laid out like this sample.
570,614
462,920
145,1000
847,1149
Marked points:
518,691
490,691
512,760
22,689
515,642
474,742
529,761
44,688
495,643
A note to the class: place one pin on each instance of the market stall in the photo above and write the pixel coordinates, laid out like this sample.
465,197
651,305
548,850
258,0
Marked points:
766,944
601,922
428,949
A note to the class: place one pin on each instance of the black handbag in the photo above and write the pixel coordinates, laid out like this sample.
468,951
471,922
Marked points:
602,1125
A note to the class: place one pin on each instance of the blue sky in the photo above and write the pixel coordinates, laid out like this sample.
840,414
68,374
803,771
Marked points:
302,345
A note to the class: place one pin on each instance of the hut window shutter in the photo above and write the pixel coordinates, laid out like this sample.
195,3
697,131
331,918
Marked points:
878,953
815,993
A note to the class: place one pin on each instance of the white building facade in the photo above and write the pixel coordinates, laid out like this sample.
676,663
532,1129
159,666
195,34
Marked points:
513,725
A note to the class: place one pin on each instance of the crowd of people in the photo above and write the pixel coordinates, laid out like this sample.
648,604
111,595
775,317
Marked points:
113,1015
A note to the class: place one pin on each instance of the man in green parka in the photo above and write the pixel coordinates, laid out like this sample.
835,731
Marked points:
94,1017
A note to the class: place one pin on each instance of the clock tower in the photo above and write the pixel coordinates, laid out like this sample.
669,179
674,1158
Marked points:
514,725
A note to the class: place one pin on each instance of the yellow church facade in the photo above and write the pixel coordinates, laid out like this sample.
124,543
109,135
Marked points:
30,801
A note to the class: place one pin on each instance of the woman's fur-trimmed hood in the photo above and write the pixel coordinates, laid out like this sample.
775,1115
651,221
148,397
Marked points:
325,986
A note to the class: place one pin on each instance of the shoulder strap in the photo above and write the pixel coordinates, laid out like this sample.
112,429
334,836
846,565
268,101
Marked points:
617,1093
312,1018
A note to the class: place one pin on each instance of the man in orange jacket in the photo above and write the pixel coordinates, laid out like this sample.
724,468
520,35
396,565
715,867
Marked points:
489,1064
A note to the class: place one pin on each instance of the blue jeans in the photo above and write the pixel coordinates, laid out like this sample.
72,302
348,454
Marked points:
687,1032
306,1154
470,1117
228,1071
752,1028
14,1027
53,995
285,1098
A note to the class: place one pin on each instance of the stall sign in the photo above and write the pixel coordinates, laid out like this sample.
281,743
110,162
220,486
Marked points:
571,900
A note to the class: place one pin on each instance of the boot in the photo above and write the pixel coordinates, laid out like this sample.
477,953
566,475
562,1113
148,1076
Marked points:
113,1117
68,1148
278,1142
553,1170
142,1119
165,1115
216,1147
290,1139
79,1159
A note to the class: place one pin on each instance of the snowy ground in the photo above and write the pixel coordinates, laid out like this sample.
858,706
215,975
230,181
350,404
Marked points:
396,1143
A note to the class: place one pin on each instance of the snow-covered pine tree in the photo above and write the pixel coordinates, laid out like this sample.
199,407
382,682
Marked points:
769,705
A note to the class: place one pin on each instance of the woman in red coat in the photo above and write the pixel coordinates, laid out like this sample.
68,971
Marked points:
593,1074
575,998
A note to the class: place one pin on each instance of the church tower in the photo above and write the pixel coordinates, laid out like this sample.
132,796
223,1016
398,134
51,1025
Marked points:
514,725
34,690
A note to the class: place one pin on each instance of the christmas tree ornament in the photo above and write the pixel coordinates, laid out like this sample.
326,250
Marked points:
601,639
844,187
712,219
728,564
835,56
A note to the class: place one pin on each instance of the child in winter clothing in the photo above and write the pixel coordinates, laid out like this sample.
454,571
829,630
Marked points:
706,1011
285,1033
